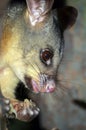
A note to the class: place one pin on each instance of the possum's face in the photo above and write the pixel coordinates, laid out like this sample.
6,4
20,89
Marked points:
43,55
45,45
42,42
43,48
41,69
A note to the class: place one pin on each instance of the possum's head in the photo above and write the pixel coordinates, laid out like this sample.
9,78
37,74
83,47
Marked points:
45,43
44,47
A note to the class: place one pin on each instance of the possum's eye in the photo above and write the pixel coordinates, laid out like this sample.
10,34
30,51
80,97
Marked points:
46,56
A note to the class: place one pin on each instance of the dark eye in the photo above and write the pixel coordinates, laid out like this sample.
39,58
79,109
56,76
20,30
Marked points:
46,56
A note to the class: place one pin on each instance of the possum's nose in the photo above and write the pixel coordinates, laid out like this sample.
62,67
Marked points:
45,84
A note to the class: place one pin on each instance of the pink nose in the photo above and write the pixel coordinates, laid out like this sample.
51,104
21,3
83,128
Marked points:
47,88
50,86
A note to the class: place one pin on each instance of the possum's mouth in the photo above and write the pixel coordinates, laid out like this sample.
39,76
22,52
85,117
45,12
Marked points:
46,84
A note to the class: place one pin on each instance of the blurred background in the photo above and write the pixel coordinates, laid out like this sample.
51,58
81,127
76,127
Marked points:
73,70
58,110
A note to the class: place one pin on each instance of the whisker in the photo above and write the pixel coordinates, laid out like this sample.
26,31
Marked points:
38,66
70,82
37,79
36,71
62,90
58,94
35,68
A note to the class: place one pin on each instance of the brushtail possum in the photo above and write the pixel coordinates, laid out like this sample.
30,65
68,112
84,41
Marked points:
31,48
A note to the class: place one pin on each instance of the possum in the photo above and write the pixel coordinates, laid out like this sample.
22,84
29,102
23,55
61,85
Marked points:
31,49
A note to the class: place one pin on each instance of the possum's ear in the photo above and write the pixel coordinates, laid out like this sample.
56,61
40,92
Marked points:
38,9
67,16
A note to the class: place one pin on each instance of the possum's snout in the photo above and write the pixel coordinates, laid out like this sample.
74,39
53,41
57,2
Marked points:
45,84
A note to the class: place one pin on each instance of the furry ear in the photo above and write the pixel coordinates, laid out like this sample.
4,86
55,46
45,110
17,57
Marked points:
67,16
38,9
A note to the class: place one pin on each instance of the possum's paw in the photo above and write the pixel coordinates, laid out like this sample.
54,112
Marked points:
24,111
5,107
